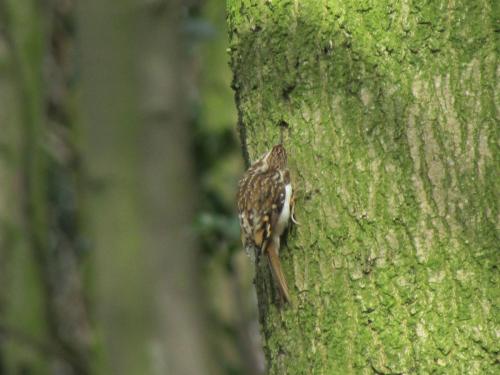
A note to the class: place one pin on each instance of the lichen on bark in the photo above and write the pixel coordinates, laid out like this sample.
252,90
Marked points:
392,142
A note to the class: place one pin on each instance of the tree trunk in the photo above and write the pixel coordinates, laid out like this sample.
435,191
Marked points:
390,110
44,310
142,204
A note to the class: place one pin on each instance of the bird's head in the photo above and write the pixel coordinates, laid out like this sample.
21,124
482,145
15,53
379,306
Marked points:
277,157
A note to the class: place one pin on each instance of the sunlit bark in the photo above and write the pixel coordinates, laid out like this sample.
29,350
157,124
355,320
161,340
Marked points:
392,130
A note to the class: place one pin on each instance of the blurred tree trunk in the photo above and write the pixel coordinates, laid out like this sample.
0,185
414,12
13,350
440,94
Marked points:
141,208
10,164
391,111
44,326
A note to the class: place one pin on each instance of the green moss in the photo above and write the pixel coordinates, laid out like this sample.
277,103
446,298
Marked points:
381,139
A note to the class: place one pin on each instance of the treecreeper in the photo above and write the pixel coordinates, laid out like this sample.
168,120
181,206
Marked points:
265,208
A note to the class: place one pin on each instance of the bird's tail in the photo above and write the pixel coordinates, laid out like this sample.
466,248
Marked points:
275,264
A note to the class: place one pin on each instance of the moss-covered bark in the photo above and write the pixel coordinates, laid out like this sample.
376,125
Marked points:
391,108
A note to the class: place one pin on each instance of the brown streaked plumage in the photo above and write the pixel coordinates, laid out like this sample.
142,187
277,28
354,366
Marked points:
265,206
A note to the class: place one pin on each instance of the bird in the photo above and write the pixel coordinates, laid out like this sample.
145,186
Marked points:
266,205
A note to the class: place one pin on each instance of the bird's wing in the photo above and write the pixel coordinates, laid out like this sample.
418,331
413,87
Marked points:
266,201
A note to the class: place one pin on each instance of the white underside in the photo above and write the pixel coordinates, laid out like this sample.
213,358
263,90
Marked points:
285,213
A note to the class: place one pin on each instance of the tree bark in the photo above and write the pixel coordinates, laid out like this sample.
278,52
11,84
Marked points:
391,111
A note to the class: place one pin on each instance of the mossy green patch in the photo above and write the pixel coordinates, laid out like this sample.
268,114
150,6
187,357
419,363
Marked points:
387,104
